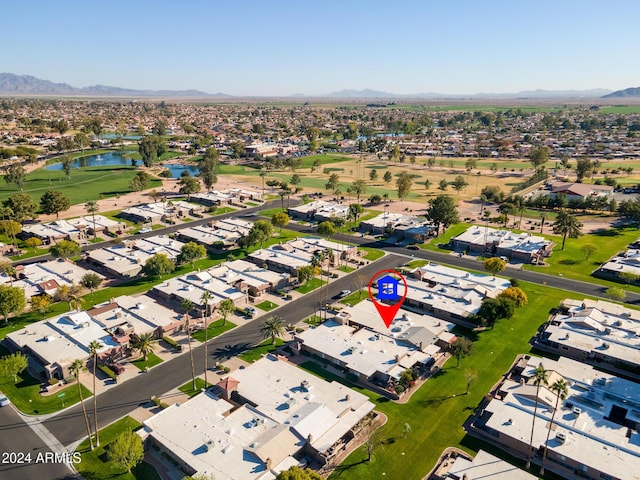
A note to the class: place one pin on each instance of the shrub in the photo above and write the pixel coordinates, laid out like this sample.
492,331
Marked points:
53,381
399,389
108,372
514,282
159,403
172,343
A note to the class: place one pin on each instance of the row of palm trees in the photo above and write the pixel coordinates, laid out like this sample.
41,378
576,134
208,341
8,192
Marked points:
272,327
561,388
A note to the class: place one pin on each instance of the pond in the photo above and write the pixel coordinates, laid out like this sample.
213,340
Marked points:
176,169
102,160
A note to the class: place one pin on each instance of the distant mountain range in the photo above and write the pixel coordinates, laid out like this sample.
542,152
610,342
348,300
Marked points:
633,92
11,84
527,94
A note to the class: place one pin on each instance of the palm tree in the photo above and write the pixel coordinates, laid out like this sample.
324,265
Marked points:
567,225
145,343
75,300
92,207
187,306
272,327
328,253
226,307
540,378
94,346
76,368
206,296
561,389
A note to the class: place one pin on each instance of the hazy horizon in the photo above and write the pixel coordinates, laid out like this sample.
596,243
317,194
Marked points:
283,48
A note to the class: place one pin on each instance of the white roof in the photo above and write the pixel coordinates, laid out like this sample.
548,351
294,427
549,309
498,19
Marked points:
64,338
364,313
249,273
456,291
192,285
506,239
386,218
203,434
362,350
485,466
63,272
591,439
326,410
598,326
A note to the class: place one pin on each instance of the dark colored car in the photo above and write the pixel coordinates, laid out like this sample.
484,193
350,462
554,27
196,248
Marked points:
413,247
116,367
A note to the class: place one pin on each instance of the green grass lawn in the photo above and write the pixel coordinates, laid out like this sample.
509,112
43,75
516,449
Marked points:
270,211
443,239
346,269
151,361
310,285
572,262
438,409
416,264
20,321
251,204
267,306
188,387
372,253
90,183
313,320
25,395
214,329
221,210
95,464
256,352
354,298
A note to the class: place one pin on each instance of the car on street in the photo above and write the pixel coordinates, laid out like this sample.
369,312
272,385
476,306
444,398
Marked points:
116,367
413,247
145,230
344,293
4,401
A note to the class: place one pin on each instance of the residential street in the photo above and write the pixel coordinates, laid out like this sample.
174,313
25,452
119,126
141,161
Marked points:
68,427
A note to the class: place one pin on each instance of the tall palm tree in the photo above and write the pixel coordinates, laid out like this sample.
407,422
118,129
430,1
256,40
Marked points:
92,207
74,299
187,306
76,368
272,327
328,253
226,308
206,296
145,343
315,263
539,378
94,346
567,225
561,389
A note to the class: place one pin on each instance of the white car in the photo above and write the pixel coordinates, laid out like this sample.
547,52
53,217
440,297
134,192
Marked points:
4,401
145,230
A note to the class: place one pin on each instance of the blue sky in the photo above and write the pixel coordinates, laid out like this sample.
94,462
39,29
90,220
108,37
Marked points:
282,47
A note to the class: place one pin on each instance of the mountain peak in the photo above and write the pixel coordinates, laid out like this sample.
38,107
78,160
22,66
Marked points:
12,84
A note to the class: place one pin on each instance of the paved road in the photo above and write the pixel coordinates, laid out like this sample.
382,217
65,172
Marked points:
68,426
16,437
245,212
470,262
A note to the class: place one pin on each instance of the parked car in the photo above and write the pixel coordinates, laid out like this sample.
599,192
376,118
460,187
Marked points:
116,367
250,311
145,230
413,247
344,293
4,401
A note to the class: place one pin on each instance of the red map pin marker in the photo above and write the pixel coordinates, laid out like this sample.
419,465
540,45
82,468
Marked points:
388,312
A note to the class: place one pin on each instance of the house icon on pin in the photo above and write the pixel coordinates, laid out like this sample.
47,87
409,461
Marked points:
388,288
